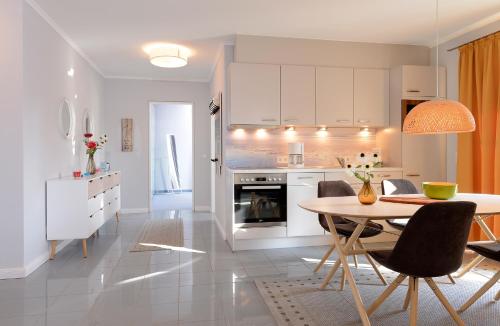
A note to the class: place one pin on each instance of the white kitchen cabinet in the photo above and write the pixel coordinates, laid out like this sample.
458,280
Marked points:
334,96
301,187
298,98
371,97
356,184
420,81
254,94
424,158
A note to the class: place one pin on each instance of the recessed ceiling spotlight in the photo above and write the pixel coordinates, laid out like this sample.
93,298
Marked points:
167,55
70,72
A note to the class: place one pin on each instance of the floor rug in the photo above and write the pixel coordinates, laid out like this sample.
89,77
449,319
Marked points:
160,234
298,301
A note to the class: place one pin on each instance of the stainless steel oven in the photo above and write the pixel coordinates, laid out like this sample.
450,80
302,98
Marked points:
259,199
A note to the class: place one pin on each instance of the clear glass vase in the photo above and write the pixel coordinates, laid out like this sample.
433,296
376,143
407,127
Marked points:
91,168
367,195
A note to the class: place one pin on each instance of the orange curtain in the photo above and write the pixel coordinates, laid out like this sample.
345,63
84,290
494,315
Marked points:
478,165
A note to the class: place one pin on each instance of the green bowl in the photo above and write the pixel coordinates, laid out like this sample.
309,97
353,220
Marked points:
439,190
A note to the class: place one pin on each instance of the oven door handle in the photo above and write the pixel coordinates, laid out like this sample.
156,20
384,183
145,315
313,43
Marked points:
260,187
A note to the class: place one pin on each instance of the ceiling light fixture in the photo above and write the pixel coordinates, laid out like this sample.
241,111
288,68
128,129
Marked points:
166,55
439,116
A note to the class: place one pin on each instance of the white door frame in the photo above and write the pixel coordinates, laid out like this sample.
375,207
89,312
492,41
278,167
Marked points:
150,158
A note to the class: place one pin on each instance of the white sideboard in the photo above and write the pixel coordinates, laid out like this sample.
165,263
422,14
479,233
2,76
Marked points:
78,207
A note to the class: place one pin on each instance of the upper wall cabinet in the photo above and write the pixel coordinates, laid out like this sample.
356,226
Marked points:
334,97
298,100
255,94
420,81
371,97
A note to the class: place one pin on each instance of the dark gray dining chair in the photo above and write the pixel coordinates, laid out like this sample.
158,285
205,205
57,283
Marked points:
401,187
344,227
490,250
431,245
398,187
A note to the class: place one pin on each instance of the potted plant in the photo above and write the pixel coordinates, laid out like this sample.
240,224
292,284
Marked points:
363,172
92,147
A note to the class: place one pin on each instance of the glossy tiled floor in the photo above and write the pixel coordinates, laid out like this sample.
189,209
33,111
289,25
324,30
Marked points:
204,284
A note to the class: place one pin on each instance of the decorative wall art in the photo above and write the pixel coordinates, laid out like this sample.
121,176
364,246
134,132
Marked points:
127,139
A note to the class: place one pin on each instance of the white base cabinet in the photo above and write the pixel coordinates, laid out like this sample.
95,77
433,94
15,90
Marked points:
77,208
301,187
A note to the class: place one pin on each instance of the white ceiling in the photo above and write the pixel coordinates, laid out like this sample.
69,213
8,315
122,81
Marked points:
112,32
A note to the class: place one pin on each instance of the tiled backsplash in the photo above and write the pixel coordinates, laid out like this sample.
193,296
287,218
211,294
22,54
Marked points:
261,148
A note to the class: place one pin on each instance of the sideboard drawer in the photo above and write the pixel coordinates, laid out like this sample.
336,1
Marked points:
95,203
116,177
111,194
96,220
96,186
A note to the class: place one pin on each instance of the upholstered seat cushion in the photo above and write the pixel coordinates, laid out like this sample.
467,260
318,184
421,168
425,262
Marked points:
488,249
346,228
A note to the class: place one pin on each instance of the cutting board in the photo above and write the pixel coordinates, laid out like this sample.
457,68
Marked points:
420,200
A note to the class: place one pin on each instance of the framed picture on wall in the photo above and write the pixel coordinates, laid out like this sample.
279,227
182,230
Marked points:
127,132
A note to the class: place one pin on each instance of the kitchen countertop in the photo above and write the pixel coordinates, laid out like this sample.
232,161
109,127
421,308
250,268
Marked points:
286,169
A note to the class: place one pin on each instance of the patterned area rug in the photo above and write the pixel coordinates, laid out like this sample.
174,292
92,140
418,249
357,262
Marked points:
160,234
298,301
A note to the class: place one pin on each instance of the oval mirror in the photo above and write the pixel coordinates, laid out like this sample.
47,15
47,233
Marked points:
88,123
66,119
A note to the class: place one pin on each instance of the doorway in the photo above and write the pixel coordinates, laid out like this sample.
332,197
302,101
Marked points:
171,155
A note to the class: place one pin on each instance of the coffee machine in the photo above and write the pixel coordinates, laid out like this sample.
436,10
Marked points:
296,155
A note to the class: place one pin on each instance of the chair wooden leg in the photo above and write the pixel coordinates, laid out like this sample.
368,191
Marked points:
473,263
385,294
53,247
342,280
84,248
375,268
414,302
117,217
444,301
497,296
408,295
481,291
452,280
325,258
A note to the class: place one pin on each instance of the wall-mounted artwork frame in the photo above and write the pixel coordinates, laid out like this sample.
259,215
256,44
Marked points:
127,133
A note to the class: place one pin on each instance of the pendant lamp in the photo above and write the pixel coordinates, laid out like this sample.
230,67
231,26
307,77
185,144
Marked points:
439,116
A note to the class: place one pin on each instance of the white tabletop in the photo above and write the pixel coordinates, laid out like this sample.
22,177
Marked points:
350,207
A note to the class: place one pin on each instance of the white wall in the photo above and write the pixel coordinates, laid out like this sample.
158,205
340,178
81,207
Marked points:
130,99
450,59
47,57
11,157
172,119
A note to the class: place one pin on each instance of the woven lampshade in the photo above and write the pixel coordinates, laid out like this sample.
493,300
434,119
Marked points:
439,117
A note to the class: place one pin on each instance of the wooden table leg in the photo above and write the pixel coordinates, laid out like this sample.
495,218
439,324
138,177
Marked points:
324,259
345,264
476,261
84,248
53,247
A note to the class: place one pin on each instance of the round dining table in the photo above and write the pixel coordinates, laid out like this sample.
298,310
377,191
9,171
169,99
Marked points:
350,208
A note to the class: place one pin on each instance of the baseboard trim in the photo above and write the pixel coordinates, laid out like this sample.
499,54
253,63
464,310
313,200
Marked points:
22,272
202,208
133,210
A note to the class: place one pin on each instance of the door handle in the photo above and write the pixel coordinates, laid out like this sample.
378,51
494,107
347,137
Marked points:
290,119
267,120
413,175
363,121
343,120
413,91
214,160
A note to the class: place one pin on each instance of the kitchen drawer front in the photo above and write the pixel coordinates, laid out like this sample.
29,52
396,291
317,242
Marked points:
96,220
341,175
384,175
260,233
304,179
95,203
96,186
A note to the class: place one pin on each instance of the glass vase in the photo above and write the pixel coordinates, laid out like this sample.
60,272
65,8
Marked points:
367,195
91,168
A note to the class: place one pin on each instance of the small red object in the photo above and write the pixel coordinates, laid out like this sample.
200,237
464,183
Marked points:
88,135
77,174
